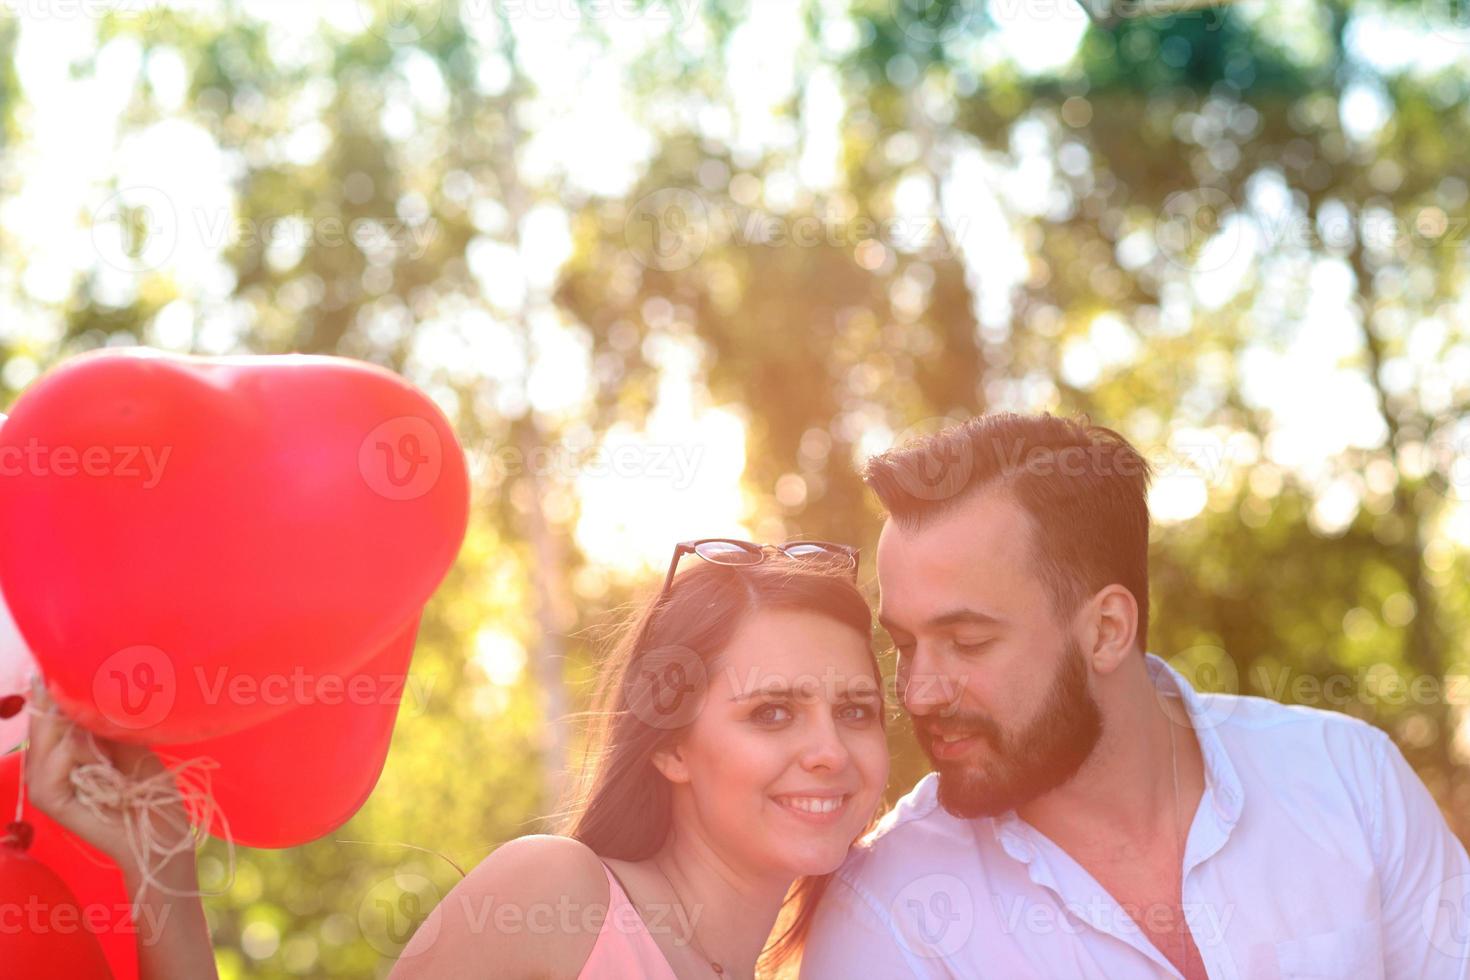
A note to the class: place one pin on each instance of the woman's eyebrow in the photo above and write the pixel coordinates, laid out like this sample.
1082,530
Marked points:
846,691
761,692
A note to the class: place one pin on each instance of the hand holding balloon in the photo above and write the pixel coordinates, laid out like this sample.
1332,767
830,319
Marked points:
60,751
65,766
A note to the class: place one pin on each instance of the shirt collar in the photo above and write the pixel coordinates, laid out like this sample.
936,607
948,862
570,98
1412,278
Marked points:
1222,783
1206,714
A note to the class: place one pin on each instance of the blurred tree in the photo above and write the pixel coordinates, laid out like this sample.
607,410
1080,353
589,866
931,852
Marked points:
1233,234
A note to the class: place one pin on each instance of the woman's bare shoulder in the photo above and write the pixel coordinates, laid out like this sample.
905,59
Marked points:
528,907
566,858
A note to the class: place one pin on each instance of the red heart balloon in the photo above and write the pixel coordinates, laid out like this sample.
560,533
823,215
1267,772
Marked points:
305,773
181,532
94,883
51,940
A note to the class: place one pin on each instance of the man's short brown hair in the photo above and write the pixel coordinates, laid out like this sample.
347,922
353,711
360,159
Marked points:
1084,486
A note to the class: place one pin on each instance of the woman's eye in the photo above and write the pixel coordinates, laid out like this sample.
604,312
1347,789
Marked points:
858,712
971,647
769,713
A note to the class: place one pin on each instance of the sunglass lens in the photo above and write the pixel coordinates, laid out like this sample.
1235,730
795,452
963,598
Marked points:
818,552
728,552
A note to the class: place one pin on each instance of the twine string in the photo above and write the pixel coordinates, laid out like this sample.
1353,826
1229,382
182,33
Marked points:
147,810
395,843
20,797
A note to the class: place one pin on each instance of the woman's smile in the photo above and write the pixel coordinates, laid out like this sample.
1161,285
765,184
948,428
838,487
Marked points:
822,810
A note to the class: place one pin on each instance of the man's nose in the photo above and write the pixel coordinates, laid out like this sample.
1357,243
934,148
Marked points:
923,686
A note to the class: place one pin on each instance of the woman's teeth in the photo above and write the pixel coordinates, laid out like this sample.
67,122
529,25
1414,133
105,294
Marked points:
812,804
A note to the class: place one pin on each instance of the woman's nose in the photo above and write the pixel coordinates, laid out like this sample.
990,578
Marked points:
825,748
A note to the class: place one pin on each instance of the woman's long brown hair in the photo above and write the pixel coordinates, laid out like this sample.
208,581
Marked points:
620,805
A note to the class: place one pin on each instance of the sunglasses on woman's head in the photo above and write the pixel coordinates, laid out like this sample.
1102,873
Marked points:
731,551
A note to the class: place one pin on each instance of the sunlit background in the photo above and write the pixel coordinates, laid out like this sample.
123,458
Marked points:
675,267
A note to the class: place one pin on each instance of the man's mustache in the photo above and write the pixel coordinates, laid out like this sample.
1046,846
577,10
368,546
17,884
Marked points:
959,725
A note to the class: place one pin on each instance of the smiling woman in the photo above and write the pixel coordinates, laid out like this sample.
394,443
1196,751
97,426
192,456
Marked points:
738,750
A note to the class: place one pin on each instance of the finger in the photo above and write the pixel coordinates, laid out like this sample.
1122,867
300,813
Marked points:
137,761
53,750
48,729
48,778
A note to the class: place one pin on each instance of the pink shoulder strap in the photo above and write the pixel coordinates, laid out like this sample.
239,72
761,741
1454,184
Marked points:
624,947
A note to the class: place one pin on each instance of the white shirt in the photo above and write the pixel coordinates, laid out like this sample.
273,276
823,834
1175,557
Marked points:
1315,852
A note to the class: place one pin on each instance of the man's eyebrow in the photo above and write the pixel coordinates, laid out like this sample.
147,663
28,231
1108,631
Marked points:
965,617
955,617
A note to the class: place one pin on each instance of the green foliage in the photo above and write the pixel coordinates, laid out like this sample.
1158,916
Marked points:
1150,147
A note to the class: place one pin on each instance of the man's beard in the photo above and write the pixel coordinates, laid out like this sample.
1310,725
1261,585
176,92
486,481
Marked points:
1043,756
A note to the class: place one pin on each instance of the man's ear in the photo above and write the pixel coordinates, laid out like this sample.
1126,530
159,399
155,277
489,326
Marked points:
1112,626
669,760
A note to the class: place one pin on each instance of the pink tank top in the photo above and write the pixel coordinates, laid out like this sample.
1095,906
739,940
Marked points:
624,948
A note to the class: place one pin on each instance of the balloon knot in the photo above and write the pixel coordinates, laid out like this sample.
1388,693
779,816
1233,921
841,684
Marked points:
19,834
